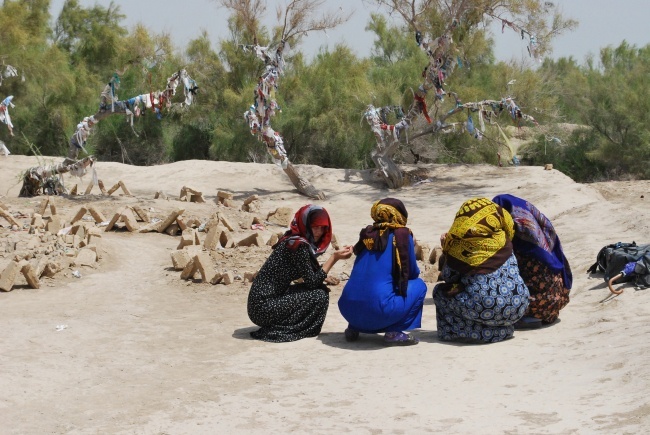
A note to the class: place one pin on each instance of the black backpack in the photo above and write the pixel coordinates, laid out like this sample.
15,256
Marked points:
612,259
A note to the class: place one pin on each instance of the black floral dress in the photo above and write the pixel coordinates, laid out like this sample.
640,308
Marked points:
285,311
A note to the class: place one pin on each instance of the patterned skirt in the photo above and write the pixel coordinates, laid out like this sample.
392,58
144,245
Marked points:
548,295
487,309
296,314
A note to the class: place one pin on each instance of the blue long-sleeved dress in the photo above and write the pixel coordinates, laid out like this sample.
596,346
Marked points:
369,302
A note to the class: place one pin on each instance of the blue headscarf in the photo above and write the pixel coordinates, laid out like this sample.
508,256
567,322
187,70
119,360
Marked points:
535,236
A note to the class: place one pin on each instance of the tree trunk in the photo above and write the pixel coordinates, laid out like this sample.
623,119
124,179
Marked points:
43,178
389,171
303,186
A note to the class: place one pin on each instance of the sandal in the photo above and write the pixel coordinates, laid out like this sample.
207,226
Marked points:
351,334
399,339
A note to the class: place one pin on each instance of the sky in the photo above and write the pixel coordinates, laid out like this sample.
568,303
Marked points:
601,23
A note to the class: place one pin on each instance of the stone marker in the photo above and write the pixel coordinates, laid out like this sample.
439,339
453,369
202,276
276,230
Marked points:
97,215
86,257
180,258
227,278
252,240
204,266
281,216
8,276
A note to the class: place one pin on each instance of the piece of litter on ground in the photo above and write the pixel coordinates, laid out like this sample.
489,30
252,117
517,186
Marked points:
155,220
103,224
64,231
61,327
76,274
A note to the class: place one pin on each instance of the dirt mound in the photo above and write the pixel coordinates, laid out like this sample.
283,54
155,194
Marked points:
132,347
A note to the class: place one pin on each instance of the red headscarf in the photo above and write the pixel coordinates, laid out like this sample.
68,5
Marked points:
300,229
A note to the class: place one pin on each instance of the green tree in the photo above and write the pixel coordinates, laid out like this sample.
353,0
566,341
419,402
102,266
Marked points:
612,100
92,36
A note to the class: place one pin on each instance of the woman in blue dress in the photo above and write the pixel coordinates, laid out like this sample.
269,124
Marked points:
384,292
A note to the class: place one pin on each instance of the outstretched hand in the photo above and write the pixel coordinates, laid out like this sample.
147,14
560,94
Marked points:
341,254
344,253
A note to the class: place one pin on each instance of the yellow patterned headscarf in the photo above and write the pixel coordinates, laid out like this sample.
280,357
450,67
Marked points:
480,239
385,216
389,216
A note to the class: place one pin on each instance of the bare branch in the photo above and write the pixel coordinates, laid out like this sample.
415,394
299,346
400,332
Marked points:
299,18
247,12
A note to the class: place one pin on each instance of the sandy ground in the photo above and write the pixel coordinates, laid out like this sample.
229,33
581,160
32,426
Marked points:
145,352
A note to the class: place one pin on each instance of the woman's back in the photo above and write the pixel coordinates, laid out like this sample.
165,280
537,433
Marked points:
369,300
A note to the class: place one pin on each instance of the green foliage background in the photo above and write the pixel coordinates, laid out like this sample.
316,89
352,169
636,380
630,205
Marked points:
66,65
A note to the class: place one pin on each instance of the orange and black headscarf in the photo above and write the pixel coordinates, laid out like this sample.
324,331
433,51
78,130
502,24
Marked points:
389,216
480,239
300,230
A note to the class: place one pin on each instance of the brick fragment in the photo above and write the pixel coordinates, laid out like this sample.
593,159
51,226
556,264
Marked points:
141,213
97,215
226,239
30,274
37,221
227,278
162,225
281,216
43,206
180,258
187,238
226,223
435,255
89,188
173,229
101,187
421,251
8,276
212,239
54,224
51,269
189,270
80,213
86,257
113,221
205,268
221,195
113,189
252,240
52,206
274,239
9,218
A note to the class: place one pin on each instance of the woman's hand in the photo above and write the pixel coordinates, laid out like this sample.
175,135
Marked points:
341,254
344,253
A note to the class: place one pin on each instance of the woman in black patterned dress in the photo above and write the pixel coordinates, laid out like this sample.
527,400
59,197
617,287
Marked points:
285,311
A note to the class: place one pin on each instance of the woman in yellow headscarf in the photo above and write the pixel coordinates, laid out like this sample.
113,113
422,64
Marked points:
384,292
483,295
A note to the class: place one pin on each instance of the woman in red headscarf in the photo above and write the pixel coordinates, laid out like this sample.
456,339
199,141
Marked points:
285,311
